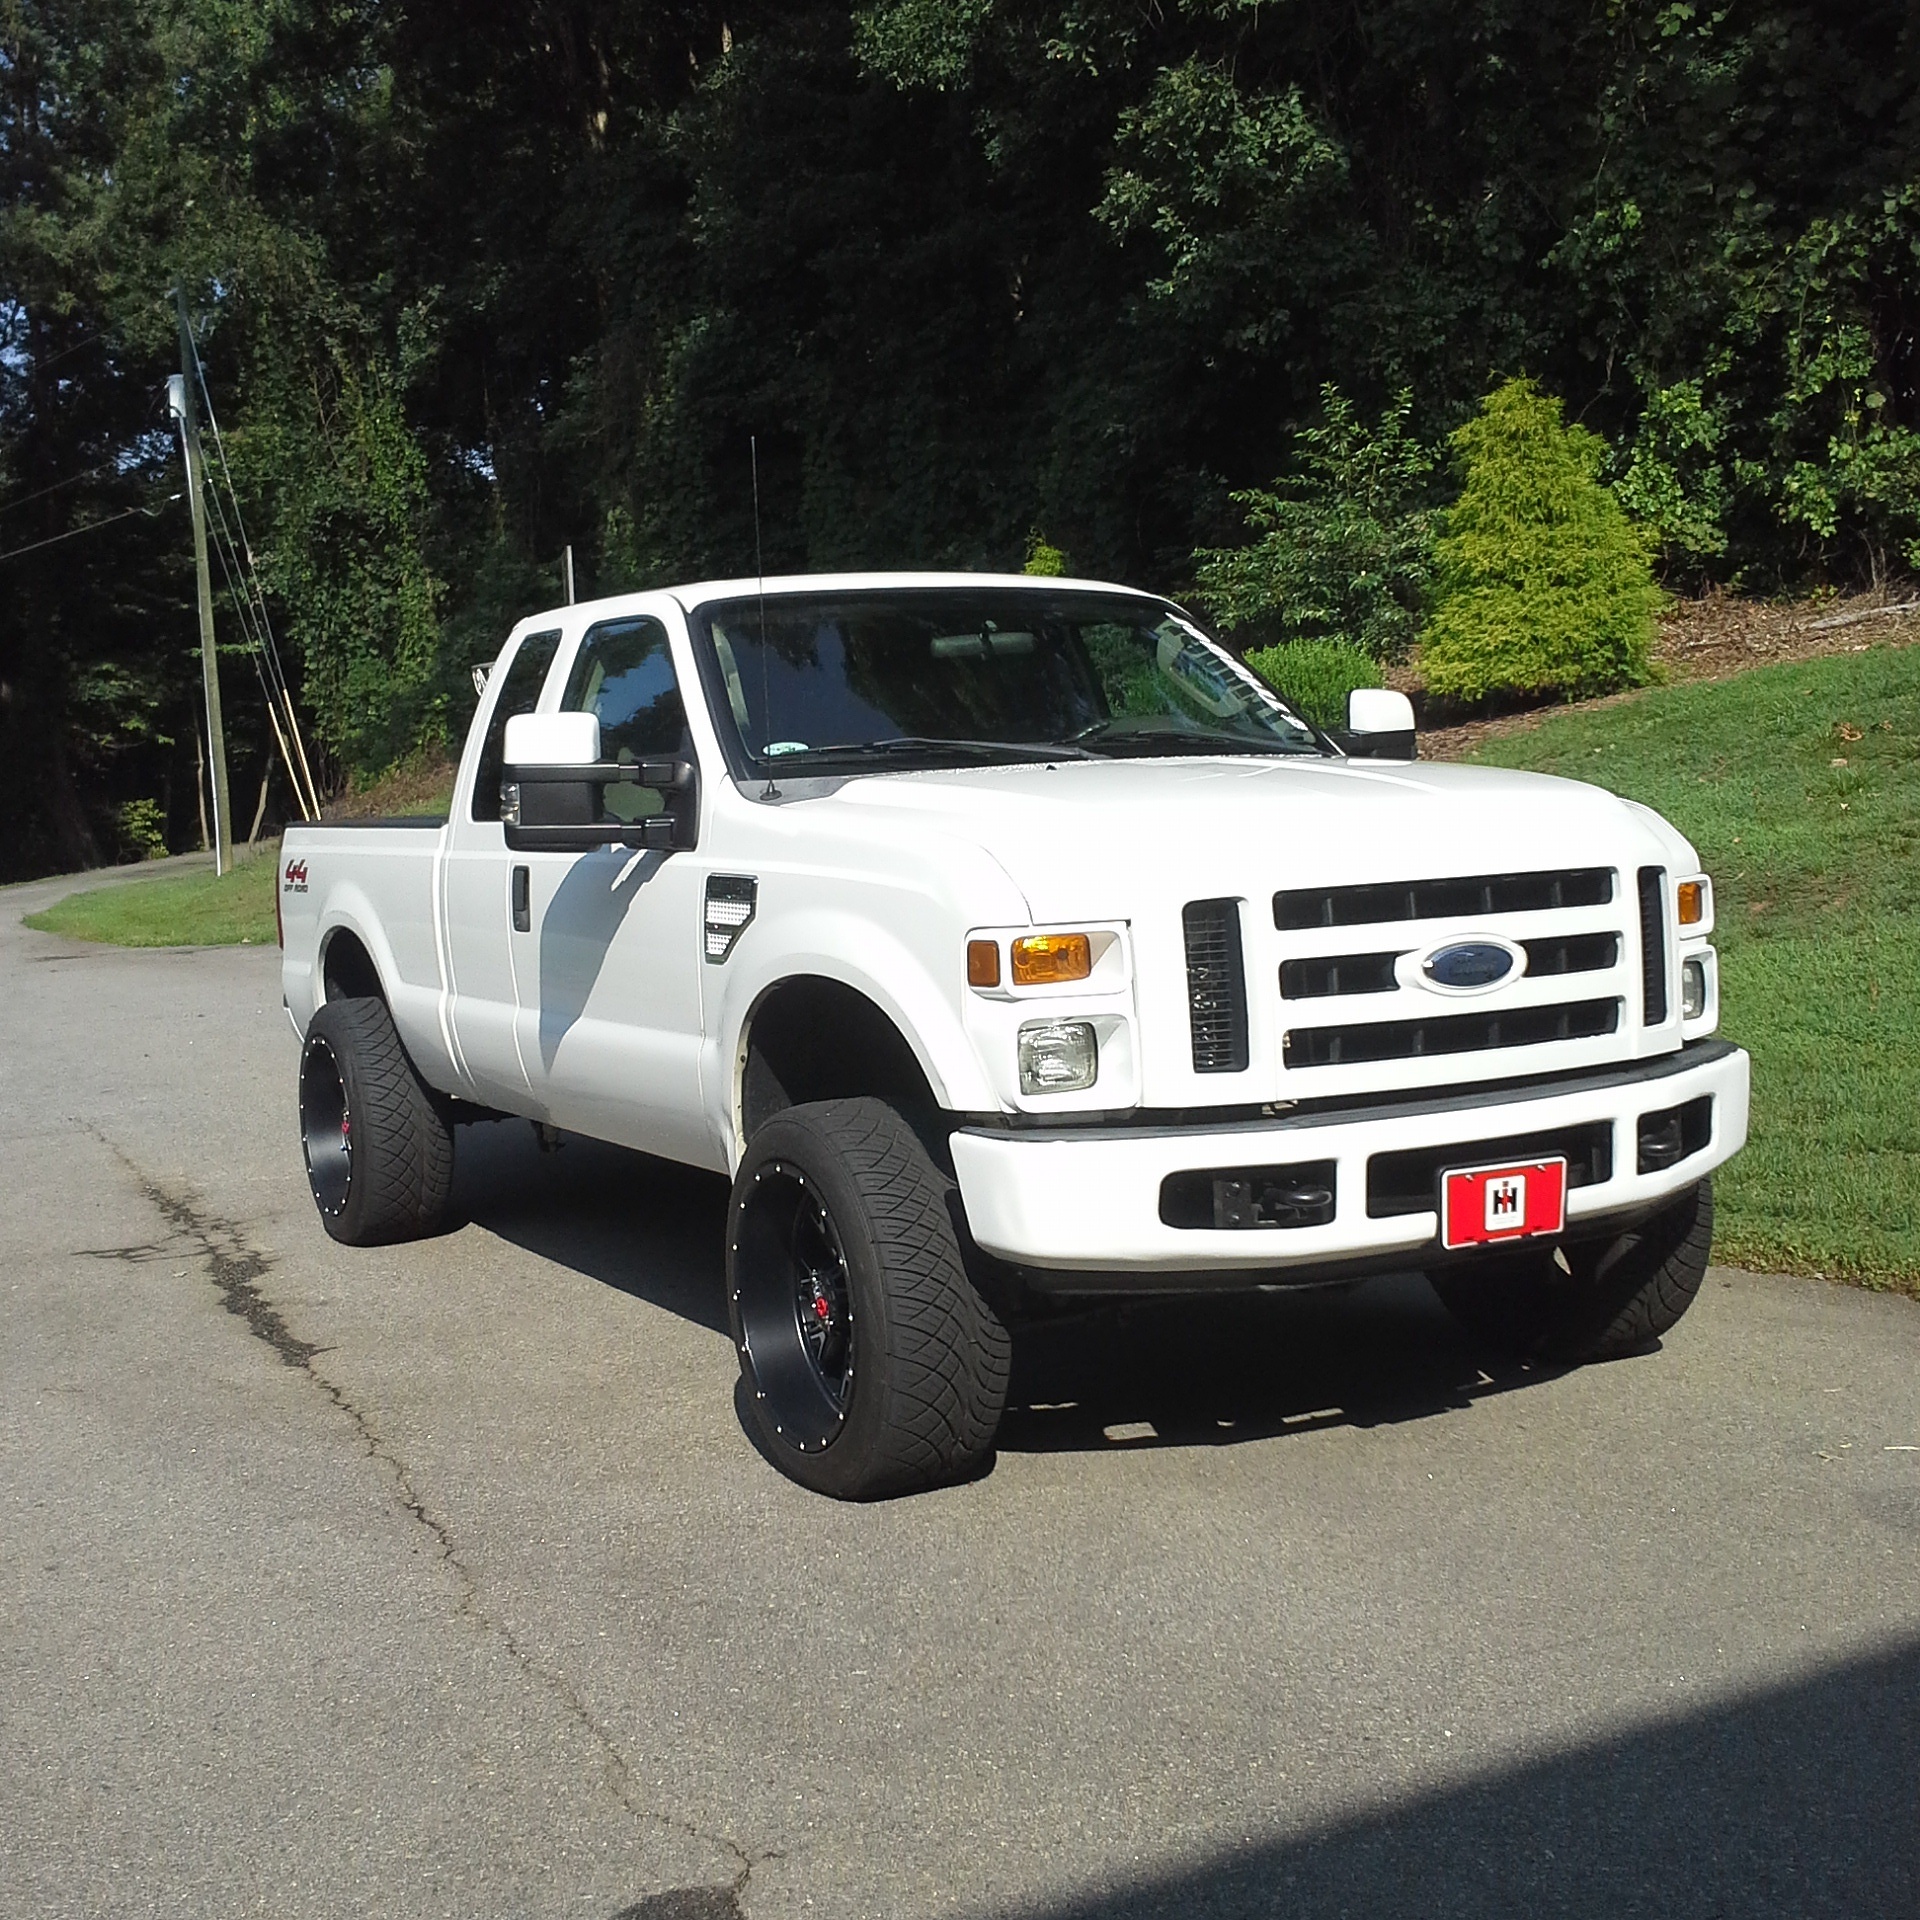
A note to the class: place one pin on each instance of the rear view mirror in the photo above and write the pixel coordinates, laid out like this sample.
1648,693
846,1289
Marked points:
553,797
553,740
1380,725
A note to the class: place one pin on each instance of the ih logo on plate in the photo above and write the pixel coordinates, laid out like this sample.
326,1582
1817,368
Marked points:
1506,1201
296,880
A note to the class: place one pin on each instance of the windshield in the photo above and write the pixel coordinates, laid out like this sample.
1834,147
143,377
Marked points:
937,677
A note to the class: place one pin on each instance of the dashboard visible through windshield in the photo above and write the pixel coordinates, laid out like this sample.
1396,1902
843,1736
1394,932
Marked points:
834,682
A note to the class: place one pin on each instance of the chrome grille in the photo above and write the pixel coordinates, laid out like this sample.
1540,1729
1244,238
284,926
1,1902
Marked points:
1301,908
1449,1033
1337,973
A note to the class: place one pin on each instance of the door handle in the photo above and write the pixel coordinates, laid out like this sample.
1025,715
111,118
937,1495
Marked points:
522,900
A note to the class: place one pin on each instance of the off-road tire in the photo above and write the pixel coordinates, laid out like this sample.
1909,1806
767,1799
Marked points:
395,1141
1620,1297
926,1358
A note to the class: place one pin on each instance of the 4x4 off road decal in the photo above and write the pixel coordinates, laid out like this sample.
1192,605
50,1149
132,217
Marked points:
295,880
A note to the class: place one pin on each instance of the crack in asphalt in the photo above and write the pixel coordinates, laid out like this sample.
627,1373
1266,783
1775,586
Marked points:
236,1268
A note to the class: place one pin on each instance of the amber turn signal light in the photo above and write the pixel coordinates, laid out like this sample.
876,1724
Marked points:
1046,959
1693,902
983,963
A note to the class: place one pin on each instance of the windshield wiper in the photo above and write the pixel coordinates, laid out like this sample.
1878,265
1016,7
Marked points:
910,743
1180,740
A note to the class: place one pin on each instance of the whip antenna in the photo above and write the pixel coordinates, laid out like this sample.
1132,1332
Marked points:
760,581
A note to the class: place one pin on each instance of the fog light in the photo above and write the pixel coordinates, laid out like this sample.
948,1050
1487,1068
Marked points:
1693,989
1058,1056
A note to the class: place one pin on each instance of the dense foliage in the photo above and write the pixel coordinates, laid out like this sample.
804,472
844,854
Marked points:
1541,581
1343,547
478,281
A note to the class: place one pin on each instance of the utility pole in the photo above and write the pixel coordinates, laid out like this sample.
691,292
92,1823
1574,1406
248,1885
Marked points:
188,413
566,571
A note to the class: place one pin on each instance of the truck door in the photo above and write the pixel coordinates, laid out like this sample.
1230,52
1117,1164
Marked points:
608,970
480,895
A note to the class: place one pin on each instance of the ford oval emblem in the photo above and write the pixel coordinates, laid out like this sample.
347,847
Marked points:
1470,964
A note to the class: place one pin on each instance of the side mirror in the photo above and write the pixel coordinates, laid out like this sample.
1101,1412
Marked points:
553,740
1379,725
553,796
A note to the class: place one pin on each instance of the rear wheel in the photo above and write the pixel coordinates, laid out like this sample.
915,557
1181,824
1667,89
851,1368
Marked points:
1612,1298
379,1151
870,1364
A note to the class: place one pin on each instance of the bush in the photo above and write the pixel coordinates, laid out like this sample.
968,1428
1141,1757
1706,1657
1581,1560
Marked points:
1314,677
1542,584
1043,559
1345,546
143,829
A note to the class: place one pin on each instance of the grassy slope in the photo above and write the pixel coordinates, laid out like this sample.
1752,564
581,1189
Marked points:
1818,892
177,910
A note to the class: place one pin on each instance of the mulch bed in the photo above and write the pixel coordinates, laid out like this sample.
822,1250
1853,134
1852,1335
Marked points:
1711,638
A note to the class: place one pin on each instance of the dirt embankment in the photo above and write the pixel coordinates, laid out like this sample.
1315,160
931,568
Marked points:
1712,638
422,785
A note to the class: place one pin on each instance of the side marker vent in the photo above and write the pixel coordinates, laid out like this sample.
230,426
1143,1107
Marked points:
1216,985
1653,943
731,902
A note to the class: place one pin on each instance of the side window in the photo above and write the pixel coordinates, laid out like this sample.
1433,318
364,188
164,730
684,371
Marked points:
520,686
624,675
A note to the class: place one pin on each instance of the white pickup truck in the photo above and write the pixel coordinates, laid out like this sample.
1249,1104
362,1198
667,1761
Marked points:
1006,940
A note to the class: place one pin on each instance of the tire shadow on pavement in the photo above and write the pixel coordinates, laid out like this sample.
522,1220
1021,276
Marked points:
648,1228
1220,1369
1200,1370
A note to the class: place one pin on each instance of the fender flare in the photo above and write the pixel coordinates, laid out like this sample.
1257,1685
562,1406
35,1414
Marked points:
890,975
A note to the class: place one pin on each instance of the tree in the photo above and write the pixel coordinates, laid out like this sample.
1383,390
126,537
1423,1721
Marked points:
1541,581
1345,542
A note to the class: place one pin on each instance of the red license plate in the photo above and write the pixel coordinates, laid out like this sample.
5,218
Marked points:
1480,1206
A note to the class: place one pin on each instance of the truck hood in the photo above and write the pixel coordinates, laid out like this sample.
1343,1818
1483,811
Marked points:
1084,840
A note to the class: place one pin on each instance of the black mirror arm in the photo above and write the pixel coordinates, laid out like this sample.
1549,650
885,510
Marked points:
1374,746
664,833
669,776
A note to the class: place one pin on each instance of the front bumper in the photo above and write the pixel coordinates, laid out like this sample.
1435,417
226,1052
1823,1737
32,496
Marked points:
1081,1205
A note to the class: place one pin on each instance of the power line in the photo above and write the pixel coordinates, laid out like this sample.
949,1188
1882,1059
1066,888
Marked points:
92,526
72,480
243,581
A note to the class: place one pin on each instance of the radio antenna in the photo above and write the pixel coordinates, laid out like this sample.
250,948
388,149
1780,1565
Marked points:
760,572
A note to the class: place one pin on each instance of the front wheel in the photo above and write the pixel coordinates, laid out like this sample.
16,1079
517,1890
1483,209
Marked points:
870,1364
1611,1298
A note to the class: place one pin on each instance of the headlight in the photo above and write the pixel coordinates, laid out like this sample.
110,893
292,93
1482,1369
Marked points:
1058,1056
1693,989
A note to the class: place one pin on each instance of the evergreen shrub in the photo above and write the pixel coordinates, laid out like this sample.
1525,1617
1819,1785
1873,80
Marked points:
1314,677
1542,583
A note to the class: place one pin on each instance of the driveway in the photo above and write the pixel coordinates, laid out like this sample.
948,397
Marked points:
442,1580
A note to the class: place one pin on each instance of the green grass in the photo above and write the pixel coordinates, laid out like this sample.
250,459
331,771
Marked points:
174,910
1818,903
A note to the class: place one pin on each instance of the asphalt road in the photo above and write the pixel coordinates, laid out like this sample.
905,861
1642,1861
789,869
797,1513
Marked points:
442,1580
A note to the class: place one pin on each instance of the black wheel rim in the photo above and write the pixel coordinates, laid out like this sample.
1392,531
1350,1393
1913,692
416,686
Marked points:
794,1298
326,1127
